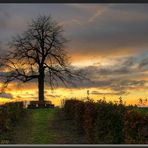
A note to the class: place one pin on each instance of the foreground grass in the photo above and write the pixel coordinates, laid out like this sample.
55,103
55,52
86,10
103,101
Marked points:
45,126
64,131
40,130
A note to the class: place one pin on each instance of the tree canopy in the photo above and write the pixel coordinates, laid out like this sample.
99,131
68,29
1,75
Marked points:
38,53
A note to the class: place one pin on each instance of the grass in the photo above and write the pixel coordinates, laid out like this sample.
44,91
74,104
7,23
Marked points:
45,126
65,131
40,130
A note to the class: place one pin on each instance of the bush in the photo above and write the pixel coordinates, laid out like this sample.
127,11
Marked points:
109,122
4,120
69,108
9,115
89,121
79,116
135,128
15,111
144,130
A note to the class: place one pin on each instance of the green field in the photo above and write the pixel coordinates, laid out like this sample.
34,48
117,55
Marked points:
45,126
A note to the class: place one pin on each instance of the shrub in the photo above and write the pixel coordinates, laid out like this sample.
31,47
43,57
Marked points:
15,110
4,120
79,116
144,130
132,126
109,122
89,120
136,128
9,115
69,108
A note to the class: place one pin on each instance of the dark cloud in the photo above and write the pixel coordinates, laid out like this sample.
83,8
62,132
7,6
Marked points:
114,29
109,93
114,32
122,66
119,77
6,95
53,96
116,86
144,64
19,97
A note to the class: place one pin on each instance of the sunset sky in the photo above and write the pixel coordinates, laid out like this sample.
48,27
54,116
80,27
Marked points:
108,42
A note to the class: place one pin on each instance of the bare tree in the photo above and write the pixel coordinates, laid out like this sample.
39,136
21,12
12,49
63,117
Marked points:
38,53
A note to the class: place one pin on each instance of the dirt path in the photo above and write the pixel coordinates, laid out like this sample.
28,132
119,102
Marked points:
45,126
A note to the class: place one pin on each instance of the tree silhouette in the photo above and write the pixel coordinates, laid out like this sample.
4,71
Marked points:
38,53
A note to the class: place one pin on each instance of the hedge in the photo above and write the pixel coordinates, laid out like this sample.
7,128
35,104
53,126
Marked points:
9,115
109,123
135,128
106,122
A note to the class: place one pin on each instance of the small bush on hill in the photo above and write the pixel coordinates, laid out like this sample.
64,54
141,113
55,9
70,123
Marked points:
9,115
89,121
79,116
109,122
69,108
135,128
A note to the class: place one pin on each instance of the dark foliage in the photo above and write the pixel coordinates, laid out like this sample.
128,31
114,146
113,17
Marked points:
9,116
135,128
89,121
108,123
79,116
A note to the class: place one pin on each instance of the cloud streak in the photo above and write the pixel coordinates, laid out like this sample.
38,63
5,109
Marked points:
6,95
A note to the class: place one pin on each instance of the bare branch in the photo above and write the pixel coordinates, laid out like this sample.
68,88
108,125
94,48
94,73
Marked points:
40,49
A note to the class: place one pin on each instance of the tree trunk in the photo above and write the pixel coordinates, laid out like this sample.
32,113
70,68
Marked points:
41,85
